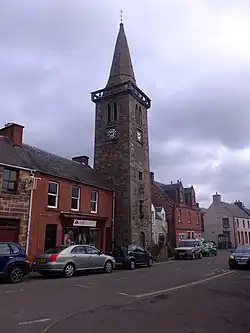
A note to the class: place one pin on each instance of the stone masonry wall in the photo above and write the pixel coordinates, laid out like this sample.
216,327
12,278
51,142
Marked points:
16,206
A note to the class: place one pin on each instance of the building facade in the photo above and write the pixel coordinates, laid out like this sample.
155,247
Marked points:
121,151
223,223
63,201
159,226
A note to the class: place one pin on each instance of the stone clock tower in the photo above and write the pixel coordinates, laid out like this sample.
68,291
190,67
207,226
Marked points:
121,146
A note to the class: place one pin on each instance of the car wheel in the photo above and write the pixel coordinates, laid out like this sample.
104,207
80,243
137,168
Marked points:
16,274
69,270
150,262
108,267
231,266
132,264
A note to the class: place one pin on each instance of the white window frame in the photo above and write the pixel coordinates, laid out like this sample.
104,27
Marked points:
76,198
54,195
96,202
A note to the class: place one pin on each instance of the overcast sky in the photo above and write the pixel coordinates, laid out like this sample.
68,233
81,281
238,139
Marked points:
192,57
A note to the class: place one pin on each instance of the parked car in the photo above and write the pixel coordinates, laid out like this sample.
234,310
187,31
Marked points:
240,257
189,249
132,256
14,264
209,249
68,260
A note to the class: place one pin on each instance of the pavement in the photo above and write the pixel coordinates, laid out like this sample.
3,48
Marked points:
184,296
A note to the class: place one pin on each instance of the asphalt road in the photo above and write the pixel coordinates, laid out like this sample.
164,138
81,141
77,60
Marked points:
198,296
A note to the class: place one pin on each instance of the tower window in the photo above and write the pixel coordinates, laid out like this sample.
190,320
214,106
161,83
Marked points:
141,215
140,175
138,115
115,111
109,115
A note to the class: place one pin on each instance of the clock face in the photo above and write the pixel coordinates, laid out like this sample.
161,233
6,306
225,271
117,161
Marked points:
139,136
111,133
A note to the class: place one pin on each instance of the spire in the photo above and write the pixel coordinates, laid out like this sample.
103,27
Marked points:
121,69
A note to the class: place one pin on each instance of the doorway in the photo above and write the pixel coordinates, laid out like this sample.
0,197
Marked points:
50,236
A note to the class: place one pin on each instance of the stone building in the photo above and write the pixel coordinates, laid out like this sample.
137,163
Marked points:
14,191
121,146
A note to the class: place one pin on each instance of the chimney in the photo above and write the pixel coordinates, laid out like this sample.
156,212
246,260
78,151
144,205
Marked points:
171,182
197,205
14,133
178,181
239,204
216,197
152,176
81,159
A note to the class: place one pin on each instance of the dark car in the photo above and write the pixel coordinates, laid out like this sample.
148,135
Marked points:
240,257
14,264
131,256
189,249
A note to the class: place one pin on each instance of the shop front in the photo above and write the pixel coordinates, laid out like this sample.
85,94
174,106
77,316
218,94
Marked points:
87,231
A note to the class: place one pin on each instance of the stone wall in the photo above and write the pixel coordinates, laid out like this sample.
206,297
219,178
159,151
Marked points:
16,206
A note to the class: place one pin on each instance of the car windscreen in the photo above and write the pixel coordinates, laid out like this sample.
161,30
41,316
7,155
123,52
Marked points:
243,249
186,244
57,249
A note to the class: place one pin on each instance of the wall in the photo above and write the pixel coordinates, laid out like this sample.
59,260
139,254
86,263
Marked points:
42,215
189,219
16,206
242,227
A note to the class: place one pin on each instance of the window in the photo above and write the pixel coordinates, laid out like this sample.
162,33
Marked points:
246,237
138,115
115,112
243,222
10,178
141,209
94,201
14,249
238,237
248,224
75,198
91,250
53,195
140,175
4,249
237,220
109,116
225,222
78,250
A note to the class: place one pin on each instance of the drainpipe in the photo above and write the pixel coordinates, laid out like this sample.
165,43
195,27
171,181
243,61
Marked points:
29,222
113,220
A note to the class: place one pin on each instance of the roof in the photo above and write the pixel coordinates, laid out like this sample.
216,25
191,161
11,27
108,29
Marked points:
121,69
235,210
50,164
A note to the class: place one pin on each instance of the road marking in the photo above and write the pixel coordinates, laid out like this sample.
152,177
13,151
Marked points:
87,285
28,322
123,278
209,274
163,291
11,291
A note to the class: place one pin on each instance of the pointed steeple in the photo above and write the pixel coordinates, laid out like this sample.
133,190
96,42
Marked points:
121,69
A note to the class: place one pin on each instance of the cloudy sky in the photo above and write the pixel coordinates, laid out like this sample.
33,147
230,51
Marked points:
192,57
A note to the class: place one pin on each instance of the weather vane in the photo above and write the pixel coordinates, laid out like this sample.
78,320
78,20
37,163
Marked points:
121,15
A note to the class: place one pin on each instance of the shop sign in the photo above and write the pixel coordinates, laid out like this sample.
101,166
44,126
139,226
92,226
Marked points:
84,223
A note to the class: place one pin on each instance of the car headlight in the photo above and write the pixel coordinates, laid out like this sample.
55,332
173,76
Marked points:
231,257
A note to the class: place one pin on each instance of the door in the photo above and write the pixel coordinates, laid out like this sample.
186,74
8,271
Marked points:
96,257
5,257
140,255
80,258
50,236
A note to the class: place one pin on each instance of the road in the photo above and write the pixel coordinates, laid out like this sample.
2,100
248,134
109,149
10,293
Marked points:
198,296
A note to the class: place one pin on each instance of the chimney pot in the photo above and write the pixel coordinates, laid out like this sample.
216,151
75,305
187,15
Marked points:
14,132
81,159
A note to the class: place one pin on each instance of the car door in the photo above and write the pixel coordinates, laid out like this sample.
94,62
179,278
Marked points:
143,255
139,255
5,257
96,257
80,257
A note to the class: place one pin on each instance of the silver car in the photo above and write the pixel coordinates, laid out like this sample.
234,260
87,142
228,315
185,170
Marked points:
67,260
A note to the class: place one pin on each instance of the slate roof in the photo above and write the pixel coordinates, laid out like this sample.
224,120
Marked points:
235,210
50,164
168,187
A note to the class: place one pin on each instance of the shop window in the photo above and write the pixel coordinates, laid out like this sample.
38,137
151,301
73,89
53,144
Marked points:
50,236
94,202
75,198
10,180
53,195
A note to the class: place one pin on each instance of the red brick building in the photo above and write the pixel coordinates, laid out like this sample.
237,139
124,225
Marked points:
183,215
62,201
